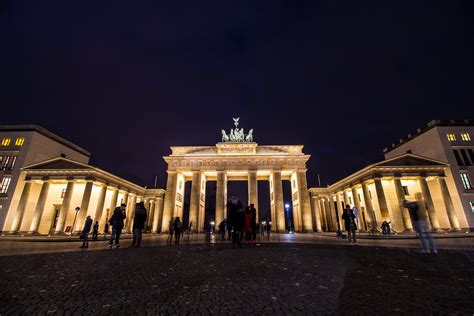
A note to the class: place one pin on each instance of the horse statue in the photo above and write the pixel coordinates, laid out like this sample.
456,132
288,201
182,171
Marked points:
232,136
249,137
225,137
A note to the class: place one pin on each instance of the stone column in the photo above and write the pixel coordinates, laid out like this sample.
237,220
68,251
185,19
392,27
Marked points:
305,207
324,222
86,197
317,213
405,215
195,200
100,203
39,209
125,198
381,198
169,205
20,210
369,206
253,190
448,203
131,212
339,211
220,197
332,214
327,209
346,198
278,197
65,208
157,215
428,201
150,216
355,198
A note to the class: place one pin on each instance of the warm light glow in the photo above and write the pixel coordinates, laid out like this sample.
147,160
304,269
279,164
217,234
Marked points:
6,141
465,136
19,141
451,137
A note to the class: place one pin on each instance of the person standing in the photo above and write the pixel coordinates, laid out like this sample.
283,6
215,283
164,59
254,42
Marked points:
106,230
222,228
235,219
269,228
420,224
139,221
248,224
85,232
349,223
177,227
170,230
253,222
95,231
117,222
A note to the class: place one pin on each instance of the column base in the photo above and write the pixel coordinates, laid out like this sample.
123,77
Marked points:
408,230
33,233
437,230
59,234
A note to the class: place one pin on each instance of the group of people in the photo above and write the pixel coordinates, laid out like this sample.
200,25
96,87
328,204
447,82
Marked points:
386,228
117,221
240,221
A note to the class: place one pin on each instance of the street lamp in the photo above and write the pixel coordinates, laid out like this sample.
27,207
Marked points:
287,208
77,209
212,226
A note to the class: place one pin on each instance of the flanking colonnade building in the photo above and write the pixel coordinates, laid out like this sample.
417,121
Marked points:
44,178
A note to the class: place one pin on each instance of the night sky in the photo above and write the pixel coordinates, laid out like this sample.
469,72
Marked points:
128,79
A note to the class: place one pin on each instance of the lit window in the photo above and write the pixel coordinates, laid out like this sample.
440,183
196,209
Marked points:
5,184
465,136
451,137
5,162
63,192
405,190
12,165
19,141
466,182
6,142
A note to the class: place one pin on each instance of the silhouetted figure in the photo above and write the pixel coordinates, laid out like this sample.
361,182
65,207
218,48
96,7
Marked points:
223,228
85,232
106,230
177,226
420,224
349,223
236,219
117,222
170,230
139,221
95,231
269,227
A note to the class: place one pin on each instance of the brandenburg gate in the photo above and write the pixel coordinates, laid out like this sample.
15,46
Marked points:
237,157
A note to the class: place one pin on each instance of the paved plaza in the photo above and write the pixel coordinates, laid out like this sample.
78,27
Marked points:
288,274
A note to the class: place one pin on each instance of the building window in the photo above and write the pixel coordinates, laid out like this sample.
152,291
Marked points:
5,162
458,158
466,182
5,184
472,206
63,192
12,165
19,141
464,157
405,190
451,137
6,142
465,137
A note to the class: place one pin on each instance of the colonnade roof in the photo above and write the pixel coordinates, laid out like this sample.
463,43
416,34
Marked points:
406,165
61,168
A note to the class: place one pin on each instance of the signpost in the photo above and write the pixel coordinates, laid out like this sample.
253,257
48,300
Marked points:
77,209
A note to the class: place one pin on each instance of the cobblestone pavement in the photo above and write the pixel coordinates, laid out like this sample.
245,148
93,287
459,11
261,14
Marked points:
279,278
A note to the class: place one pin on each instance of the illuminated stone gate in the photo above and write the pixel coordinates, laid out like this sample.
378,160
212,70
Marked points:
237,158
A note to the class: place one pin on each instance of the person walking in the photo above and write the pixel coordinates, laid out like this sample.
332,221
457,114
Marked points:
222,228
253,222
117,222
139,221
248,224
170,230
420,224
269,228
85,232
177,226
106,230
235,219
95,231
349,223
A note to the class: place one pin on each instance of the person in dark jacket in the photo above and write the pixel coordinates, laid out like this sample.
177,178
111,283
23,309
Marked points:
177,227
117,222
235,219
222,228
253,222
349,223
95,230
139,221
106,230
85,232
421,226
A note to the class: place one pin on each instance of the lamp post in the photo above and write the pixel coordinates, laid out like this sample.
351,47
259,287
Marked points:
77,209
287,208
